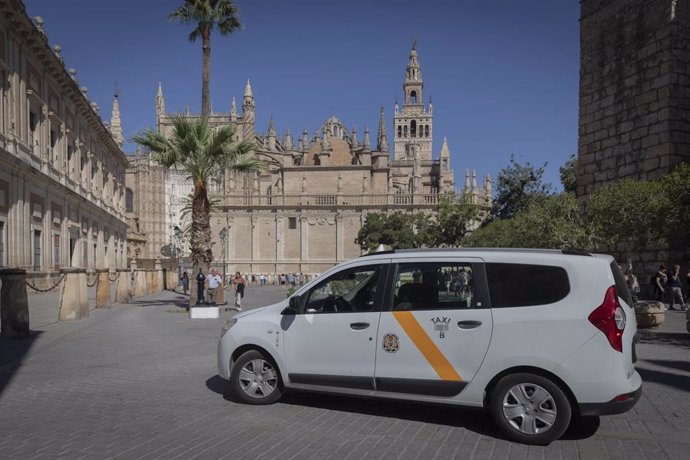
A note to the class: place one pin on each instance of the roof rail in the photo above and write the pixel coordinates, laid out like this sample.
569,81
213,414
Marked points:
576,252
375,253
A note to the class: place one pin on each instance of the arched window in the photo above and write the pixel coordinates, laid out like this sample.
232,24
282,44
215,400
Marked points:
399,131
413,97
335,131
426,130
129,200
269,195
405,130
413,128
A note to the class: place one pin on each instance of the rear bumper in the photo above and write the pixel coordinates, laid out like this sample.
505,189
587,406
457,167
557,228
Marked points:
612,407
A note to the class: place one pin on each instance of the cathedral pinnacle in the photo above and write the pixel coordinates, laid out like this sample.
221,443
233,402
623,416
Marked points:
382,140
248,90
287,141
445,152
115,122
160,101
233,107
367,142
271,127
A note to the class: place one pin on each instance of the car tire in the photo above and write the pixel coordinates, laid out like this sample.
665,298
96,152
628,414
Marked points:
255,378
530,409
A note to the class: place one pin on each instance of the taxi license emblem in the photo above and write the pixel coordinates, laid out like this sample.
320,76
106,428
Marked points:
391,343
441,325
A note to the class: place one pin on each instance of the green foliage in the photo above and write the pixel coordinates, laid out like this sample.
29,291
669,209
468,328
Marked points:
547,222
517,186
676,209
569,174
452,223
395,230
628,209
208,14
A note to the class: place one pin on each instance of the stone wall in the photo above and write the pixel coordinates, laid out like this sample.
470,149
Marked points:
634,105
634,90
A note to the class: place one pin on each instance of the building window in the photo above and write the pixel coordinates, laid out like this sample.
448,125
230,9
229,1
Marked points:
426,131
292,223
37,250
405,131
129,200
399,131
413,128
413,97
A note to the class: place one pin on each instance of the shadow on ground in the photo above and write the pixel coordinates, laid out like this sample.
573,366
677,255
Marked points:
12,353
675,339
474,420
672,379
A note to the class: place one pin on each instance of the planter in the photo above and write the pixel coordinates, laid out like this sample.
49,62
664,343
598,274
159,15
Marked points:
649,313
204,312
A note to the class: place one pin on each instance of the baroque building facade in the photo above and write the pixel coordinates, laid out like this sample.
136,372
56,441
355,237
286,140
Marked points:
303,211
62,171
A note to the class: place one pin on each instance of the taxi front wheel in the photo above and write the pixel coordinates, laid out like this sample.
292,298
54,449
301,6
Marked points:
530,409
255,378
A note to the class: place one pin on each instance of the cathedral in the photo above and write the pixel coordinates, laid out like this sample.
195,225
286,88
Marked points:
303,211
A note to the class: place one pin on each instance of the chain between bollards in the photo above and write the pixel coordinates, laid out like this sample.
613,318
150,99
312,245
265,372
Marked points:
62,277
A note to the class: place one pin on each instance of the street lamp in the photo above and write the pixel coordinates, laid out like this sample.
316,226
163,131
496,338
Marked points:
178,251
223,237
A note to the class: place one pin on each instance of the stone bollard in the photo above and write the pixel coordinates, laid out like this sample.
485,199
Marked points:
102,289
123,292
73,295
139,283
172,280
157,275
14,304
649,313
150,282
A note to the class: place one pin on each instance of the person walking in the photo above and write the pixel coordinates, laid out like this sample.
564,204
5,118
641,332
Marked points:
185,282
676,286
214,281
659,283
239,283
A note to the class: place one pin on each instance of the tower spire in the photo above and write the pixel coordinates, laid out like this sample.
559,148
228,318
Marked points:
248,90
382,140
115,122
160,101
233,107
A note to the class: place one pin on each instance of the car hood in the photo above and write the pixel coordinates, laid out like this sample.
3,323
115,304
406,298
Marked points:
269,308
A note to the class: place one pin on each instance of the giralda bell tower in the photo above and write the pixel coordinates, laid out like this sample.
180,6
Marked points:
414,123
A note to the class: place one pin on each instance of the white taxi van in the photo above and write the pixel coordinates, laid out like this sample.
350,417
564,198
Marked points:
533,336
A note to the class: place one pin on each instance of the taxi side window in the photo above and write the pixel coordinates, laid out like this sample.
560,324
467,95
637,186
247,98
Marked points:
352,290
434,286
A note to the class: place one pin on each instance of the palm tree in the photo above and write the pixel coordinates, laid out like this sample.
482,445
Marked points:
207,14
204,154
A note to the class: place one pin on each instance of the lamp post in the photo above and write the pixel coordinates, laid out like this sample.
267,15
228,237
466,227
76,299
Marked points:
178,251
223,238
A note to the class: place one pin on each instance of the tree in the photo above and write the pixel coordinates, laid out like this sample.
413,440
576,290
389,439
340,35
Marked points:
628,210
453,221
396,230
207,15
548,222
204,154
569,174
517,185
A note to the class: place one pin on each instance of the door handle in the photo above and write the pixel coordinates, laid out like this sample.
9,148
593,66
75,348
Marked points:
470,324
359,326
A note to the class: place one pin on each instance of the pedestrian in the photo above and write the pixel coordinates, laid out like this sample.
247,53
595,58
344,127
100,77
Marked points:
676,287
185,282
290,279
262,279
214,281
200,282
659,283
239,283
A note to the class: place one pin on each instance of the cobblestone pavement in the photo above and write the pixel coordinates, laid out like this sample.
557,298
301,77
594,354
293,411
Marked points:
139,381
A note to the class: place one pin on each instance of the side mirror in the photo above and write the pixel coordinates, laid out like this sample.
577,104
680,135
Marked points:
293,306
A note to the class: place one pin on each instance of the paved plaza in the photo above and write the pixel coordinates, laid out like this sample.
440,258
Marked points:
139,381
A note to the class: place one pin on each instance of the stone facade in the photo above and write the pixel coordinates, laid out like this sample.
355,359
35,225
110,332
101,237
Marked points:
303,212
62,174
634,90
634,104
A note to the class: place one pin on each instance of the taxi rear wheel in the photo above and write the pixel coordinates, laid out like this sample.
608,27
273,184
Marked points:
530,409
255,378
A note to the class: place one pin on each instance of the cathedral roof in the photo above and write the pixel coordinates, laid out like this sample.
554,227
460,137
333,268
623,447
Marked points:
340,153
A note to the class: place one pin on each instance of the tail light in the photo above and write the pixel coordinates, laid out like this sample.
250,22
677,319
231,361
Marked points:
609,318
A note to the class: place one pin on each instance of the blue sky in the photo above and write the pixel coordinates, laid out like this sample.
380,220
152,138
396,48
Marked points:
503,74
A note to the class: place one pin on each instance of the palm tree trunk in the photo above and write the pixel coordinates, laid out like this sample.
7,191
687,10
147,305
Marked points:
206,72
200,240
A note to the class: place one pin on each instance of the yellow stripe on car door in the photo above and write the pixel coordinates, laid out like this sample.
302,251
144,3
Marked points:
426,346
